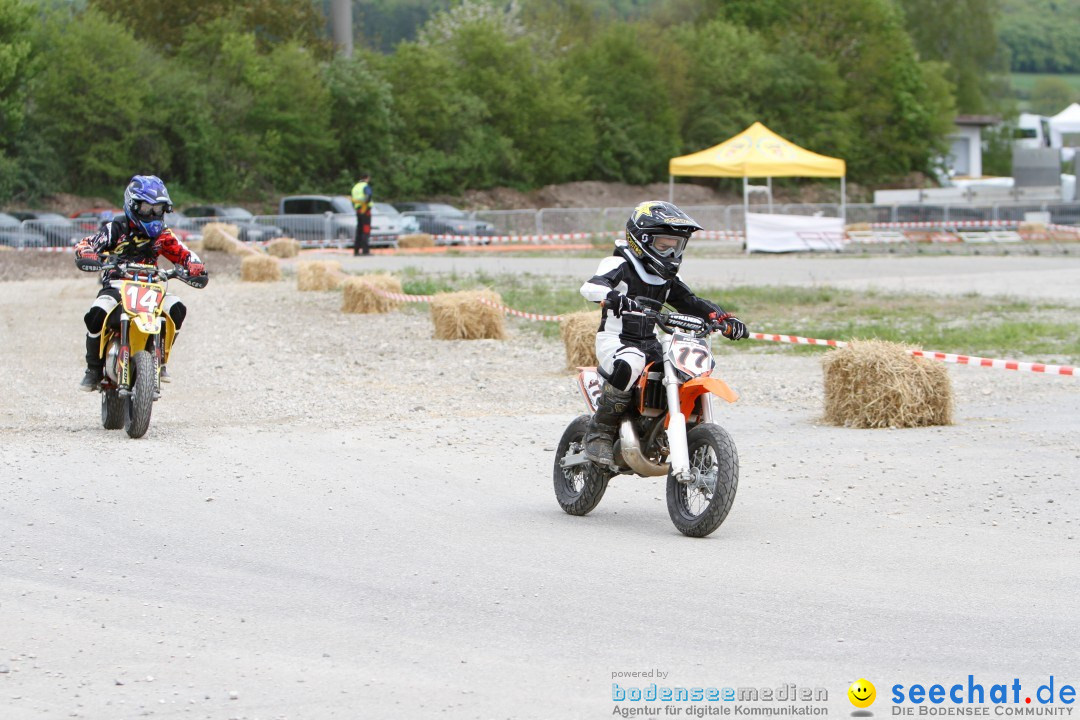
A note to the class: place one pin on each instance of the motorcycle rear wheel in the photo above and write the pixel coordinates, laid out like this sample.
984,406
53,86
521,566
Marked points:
580,488
698,511
141,401
112,409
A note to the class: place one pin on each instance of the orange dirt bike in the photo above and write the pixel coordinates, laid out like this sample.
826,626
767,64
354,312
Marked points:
137,344
670,430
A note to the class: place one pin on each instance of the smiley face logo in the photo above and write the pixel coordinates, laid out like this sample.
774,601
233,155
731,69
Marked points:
862,693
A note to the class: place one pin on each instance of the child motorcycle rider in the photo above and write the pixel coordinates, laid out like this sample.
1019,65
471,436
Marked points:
140,236
644,264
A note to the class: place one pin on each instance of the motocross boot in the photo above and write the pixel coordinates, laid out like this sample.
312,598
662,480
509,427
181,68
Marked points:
95,369
604,425
164,376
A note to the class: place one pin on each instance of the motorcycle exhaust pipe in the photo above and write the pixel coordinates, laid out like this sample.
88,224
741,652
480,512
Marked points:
630,450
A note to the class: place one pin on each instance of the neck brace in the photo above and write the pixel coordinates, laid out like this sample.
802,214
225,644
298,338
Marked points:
642,273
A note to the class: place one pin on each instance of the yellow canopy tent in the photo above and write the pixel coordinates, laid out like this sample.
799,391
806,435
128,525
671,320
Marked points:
758,152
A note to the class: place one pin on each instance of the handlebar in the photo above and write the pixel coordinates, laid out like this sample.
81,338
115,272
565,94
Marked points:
131,270
671,322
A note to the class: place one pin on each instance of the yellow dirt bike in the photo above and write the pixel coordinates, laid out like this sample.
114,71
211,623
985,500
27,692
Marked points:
135,344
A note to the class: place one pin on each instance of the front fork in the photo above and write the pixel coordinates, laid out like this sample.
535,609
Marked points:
678,452
123,360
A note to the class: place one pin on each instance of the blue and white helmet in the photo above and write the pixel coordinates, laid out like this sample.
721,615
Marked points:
145,203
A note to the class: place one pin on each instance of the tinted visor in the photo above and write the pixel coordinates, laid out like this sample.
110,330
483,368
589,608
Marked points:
668,246
150,211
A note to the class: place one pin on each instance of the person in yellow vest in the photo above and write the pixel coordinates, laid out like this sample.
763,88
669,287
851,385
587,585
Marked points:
361,200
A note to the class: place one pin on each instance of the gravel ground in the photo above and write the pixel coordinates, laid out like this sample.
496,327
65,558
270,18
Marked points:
337,516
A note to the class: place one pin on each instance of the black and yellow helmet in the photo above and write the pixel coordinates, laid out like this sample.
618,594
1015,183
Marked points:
657,233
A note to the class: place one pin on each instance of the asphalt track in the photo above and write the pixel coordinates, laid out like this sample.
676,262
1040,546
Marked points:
323,524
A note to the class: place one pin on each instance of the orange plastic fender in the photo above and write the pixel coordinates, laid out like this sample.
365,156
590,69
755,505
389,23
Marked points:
695,387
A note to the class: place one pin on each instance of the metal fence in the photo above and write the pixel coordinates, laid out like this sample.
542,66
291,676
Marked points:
732,218
323,229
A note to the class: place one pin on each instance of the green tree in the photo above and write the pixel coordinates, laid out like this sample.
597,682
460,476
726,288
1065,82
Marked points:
361,117
962,34
883,110
268,115
1042,36
1051,95
541,119
636,127
16,56
97,100
444,139
271,21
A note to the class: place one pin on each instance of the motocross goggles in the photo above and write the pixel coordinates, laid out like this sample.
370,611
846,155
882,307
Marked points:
667,246
154,211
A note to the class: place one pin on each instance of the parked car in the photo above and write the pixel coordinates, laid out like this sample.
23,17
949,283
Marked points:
386,221
181,225
313,218
246,226
89,220
13,235
441,219
57,229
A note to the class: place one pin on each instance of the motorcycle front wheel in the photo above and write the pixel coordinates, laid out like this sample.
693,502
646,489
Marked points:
112,409
699,507
141,400
578,488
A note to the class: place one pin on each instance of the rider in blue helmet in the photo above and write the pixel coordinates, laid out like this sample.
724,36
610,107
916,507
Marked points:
145,203
140,236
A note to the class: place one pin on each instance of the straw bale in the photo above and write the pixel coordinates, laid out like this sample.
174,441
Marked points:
319,275
578,331
284,247
260,268
859,227
461,316
222,236
360,295
416,240
877,384
1033,228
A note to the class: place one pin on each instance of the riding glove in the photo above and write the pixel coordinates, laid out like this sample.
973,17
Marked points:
619,303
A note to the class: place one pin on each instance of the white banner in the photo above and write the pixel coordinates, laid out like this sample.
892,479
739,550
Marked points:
793,233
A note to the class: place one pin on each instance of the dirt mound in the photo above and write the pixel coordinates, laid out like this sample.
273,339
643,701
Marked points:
590,194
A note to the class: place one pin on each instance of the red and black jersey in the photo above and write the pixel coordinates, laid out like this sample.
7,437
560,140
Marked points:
117,238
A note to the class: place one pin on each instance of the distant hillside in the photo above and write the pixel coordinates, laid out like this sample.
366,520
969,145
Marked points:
1042,36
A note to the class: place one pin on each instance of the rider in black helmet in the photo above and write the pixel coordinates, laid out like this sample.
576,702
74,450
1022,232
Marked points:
645,264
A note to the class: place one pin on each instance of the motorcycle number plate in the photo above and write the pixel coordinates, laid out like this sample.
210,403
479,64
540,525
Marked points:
141,297
691,355
589,382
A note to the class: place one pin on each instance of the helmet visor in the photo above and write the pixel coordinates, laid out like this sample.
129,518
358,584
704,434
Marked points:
150,211
669,246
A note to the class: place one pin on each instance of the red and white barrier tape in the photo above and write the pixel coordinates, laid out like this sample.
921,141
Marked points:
796,340
1064,228
945,224
401,297
49,248
933,355
522,314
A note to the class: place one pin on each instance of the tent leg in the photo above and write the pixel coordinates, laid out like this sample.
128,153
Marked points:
671,189
843,198
746,215
768,183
